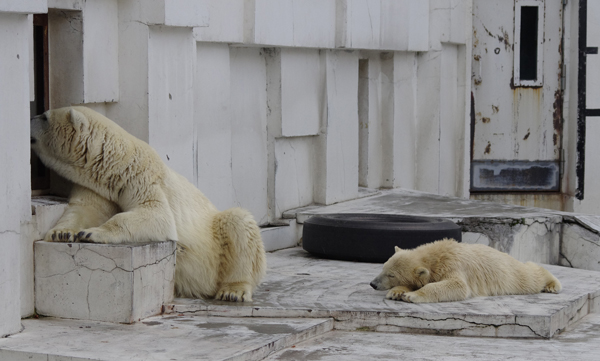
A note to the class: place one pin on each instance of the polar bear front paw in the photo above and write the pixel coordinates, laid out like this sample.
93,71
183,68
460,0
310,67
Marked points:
394,294
234,294
413,297
61,235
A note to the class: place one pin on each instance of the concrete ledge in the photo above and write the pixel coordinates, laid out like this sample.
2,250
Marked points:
299,285
180,337
115,283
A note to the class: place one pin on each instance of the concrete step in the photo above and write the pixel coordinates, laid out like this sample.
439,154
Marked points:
183,337
580,343
299,285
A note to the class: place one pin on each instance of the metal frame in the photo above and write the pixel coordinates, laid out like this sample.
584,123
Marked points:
540,46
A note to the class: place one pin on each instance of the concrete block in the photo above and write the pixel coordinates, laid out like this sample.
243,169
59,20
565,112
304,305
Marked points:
171,64
285,236
24,7
580,248
302,92
249,130
212,117
294,174
101,282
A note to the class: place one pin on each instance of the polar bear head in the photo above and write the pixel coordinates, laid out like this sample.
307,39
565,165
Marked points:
402,269
75,140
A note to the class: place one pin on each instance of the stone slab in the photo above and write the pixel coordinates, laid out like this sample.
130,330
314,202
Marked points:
116,283
174,337
300,285
580,343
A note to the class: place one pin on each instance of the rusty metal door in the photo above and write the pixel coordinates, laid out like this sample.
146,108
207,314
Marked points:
517,95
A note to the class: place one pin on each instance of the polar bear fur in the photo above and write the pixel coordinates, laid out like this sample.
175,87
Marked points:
450,271
124,193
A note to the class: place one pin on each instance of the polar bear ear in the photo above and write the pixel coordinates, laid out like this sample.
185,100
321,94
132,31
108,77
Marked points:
421,272
397,249
78,120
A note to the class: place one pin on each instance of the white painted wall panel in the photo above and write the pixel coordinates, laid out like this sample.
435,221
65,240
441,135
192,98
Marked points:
24,7
363,24
249,137
226,22
212,116
337,168
302,92
171,57
294,175
273,22
428,121
405,25
65,54
314,23
131,112
302,23
451,123
15,187
401,169
100,51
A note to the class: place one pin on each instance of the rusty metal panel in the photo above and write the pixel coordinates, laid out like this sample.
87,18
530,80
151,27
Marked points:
514,176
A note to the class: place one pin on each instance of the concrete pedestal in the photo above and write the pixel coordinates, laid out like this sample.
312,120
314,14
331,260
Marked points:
114,283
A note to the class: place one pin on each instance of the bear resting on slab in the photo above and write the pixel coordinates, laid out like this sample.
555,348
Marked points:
450,271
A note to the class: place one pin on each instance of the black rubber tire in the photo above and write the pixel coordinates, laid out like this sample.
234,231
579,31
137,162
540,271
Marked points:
371,237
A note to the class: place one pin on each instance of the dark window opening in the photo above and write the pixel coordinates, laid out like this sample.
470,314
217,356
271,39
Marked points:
528,43
40,176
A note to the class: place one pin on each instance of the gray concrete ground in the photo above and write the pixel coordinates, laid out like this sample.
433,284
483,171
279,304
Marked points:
303,299
313,309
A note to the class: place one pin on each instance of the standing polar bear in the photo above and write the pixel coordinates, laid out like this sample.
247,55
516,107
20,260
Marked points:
450,271
124,193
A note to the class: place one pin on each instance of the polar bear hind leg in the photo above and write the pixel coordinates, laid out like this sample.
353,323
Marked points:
242,256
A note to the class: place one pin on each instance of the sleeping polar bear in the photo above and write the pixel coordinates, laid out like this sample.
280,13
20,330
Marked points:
124,193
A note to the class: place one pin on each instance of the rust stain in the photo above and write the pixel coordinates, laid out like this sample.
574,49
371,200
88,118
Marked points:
495,109
488,148
557,115
485,120
527,135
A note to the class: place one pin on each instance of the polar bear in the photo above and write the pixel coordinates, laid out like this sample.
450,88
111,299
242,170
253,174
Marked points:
124,193
450,271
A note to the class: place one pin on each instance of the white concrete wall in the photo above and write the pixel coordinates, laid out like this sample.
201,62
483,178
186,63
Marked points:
257,102
15,189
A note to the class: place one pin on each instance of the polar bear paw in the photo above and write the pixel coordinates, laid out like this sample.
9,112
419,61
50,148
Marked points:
61,235
234,293
552,287
394,294
413,297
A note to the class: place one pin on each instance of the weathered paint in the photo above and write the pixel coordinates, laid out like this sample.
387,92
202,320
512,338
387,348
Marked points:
515,123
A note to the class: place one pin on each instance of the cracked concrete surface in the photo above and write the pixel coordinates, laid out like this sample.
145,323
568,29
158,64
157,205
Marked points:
300,285
117,283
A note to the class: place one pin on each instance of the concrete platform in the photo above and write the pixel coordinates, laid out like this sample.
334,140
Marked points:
300,285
